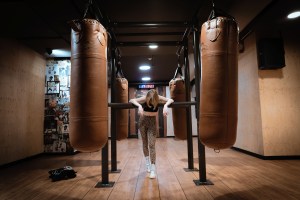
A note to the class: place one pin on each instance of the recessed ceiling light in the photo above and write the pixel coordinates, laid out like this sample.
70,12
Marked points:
60,53
146,79
144,67
294,15
153,46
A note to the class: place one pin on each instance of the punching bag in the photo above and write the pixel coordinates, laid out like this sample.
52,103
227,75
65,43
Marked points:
177,93
88,92
219,82
121,96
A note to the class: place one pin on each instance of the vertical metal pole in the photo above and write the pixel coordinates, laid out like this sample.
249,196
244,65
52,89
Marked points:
188,109
161,128
104,158
113,135
202,163
201,148
105,178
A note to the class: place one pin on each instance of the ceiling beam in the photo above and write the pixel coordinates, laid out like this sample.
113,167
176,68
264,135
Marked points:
149,24
46,21
158,83
249,28
148,34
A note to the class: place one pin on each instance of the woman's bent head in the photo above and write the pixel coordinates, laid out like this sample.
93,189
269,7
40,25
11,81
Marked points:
152,98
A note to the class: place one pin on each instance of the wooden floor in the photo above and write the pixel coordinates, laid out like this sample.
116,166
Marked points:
235,176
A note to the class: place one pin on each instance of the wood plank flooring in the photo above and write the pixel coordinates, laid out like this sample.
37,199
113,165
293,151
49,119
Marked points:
235,176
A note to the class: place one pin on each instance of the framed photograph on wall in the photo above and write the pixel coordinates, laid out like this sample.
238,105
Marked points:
52,87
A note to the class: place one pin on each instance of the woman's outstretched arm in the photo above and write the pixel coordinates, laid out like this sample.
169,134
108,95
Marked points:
168,101
137,102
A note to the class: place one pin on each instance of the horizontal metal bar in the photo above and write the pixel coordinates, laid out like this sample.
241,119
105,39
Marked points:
161,43
149,24
183,104
121,105
173,105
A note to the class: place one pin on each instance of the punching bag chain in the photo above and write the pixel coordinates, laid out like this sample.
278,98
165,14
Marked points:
119,72
87,8
218,13
93,9
178,70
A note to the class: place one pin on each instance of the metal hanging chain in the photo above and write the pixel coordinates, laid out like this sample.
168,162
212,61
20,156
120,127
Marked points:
212,14
119,71
178,70
87,6
216,12
93,9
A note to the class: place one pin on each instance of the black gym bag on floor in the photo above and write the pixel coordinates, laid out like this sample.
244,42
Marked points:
62,173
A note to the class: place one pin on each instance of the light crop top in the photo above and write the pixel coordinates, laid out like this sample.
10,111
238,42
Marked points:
149,109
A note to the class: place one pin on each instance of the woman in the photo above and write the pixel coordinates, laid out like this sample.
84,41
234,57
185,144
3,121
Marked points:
147,109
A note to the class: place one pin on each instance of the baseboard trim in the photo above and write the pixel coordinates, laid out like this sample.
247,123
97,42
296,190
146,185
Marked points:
20,161
6,165
290,157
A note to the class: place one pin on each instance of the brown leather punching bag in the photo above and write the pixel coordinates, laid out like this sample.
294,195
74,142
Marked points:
121,96
177,93
219,82
88,102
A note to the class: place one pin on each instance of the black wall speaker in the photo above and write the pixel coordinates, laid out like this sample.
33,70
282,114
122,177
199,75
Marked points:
271,53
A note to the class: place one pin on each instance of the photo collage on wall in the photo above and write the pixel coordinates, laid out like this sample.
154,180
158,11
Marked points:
57,107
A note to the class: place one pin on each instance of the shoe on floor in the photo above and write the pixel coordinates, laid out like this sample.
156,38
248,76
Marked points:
152,172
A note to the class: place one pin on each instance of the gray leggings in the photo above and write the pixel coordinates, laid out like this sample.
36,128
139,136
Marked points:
148,133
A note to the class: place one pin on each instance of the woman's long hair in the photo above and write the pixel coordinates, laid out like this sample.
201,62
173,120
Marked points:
152,98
